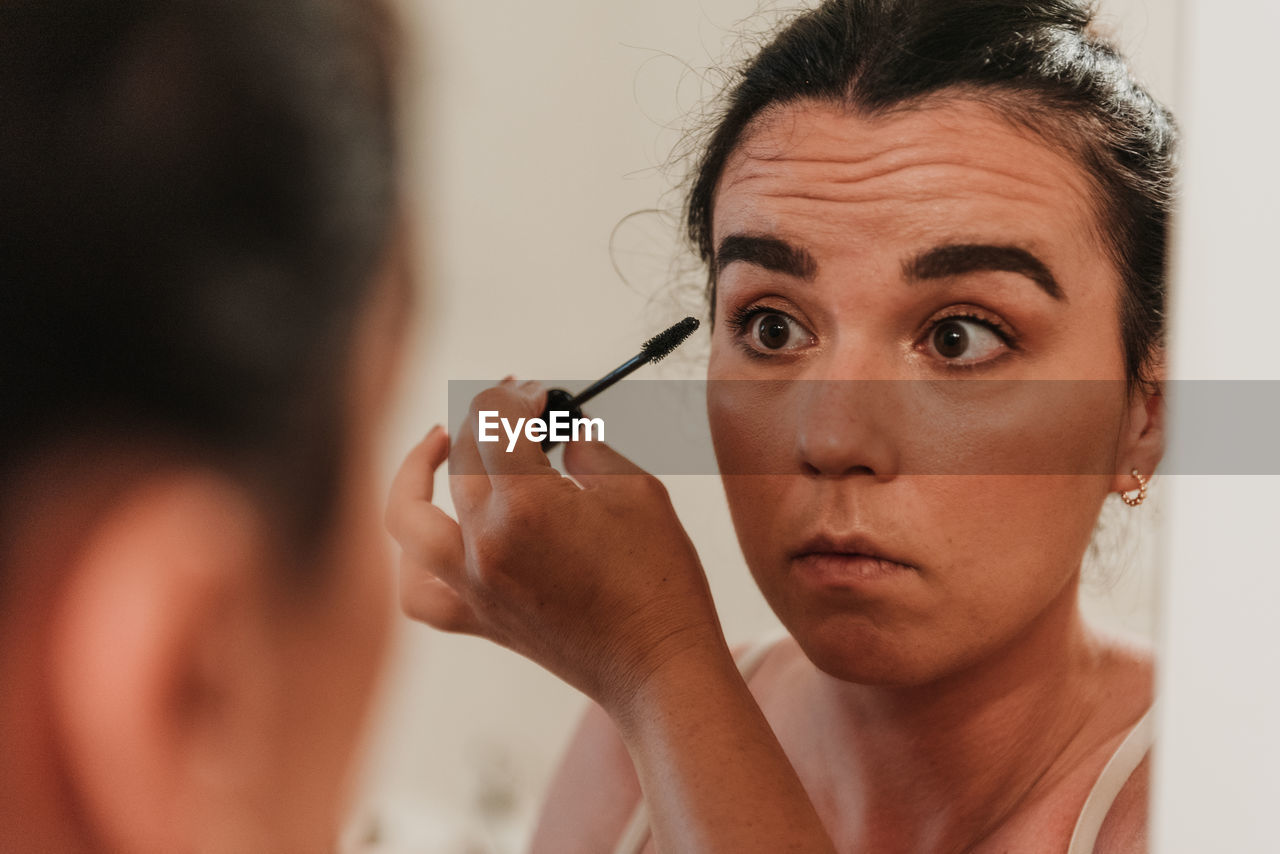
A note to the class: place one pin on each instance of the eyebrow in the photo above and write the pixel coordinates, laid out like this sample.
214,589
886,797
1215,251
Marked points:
958,259
767,252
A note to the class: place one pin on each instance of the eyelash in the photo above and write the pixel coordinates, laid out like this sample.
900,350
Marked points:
997,328
740,319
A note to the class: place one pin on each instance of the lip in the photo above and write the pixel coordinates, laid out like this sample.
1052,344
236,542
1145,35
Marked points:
845,561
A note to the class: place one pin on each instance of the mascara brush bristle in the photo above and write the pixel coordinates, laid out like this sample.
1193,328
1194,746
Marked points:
667,340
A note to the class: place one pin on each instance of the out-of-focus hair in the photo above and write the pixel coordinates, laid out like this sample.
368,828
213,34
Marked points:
194,196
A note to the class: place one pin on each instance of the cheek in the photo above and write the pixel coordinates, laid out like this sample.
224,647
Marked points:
752,425
1006,427
753,439
995,541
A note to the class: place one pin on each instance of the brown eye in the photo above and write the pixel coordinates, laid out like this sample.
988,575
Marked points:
765,332
950,339
773,331
962,339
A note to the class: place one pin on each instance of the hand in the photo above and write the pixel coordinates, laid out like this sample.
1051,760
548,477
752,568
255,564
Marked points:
597,582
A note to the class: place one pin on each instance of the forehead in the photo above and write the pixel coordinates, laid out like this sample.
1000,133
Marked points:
841,183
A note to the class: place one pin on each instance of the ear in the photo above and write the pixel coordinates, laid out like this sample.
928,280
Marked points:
159,665
1142,442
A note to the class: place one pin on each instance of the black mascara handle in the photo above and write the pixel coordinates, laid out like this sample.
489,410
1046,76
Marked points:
558,400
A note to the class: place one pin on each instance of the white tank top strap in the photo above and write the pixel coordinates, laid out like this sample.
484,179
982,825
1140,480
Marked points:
636,834
1119,768
750,659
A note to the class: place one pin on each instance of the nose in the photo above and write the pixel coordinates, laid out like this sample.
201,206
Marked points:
846,427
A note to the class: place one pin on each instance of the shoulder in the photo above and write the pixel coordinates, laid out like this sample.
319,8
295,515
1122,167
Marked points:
1125,829
593,794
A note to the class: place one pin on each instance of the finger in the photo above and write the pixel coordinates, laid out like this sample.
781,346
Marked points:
595,463
431,541
427,599
523,456
468,481
414,482
432,537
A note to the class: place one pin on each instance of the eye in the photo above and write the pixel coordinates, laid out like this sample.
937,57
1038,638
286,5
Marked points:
772,331
764,331
964,339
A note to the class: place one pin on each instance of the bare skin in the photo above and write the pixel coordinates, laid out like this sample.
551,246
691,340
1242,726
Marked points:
178,683
596,789
921,539
543,566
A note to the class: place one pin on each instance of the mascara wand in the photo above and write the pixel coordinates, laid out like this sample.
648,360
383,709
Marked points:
653,350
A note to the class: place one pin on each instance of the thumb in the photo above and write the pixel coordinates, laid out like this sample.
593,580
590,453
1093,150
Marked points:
590,463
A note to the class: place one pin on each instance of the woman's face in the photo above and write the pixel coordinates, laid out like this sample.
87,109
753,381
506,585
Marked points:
913,483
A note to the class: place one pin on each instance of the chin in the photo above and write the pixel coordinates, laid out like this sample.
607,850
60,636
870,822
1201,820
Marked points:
853,649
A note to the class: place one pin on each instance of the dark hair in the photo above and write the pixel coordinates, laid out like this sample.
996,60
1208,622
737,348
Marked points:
193,198
1036,61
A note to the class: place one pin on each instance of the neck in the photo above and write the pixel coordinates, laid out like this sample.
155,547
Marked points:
940,766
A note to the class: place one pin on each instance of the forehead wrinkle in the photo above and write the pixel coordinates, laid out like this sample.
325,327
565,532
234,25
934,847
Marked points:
790,158
805,169
907,196
1011,200
917,179
912,196
782,136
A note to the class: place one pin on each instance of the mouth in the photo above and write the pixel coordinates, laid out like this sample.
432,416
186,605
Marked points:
830,561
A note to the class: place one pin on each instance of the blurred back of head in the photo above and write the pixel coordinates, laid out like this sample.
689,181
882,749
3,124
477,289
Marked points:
193,195
197,208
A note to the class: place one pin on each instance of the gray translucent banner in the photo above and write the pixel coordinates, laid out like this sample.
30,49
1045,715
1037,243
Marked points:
903,427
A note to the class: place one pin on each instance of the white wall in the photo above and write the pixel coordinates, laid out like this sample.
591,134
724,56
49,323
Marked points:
540,127
1218,770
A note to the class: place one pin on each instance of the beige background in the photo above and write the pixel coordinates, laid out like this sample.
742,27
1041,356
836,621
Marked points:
541,139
